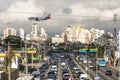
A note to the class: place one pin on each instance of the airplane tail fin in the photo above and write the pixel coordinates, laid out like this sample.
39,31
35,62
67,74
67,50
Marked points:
47,17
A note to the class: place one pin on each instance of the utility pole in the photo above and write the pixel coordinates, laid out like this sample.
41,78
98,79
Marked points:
26,61
32,53
9,64
114,49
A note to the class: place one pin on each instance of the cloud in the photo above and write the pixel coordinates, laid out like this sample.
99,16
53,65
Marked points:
21,11
89,13
67,10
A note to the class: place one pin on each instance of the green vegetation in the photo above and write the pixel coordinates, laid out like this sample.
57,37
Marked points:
15,40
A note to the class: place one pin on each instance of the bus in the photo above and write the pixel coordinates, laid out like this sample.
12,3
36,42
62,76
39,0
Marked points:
101,62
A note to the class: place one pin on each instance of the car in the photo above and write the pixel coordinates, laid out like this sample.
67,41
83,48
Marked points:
63,64
54,68
77,71
51,73
89,61
30,69
50,78
84,61
65,71
96,77
84,77
90,66
63,67
37,75
66,76
42,72
108,72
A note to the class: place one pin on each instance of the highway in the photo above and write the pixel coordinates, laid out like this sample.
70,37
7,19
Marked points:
101,70
71,64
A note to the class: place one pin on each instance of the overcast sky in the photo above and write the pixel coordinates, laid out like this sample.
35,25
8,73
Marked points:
87,13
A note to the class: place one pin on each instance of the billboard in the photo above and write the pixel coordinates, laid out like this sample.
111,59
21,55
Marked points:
83,50
93,50
102,63
29,49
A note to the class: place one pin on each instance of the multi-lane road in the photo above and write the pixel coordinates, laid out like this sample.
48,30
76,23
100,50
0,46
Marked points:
101,71
72,67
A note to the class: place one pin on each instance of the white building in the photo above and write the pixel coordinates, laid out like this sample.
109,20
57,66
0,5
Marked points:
57,39
35,29
96,33
34,33
37,34
43,36
77,33
22,34
27,37
9,31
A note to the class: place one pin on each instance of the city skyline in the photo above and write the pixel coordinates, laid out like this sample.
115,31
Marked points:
86,13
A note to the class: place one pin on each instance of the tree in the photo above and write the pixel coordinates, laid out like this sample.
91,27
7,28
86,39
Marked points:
107,36
14,40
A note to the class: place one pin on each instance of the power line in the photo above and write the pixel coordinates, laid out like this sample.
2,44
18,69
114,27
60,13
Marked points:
63,15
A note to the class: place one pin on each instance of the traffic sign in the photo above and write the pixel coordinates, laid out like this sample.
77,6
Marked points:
94,50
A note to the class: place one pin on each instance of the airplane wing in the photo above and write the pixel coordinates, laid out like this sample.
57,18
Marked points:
31,18
34,18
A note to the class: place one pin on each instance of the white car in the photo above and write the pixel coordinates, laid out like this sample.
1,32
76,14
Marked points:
90,66
96,77
54,68
89,61
83,76
84,61
63,64
75,68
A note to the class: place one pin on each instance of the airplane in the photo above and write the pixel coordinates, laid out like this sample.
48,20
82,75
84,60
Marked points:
40,18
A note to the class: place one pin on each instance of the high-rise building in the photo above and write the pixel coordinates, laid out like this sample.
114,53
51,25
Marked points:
43,31
77,33
96,33
9,31
43,35
35,29
65,37
22,33
57,39
37,34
